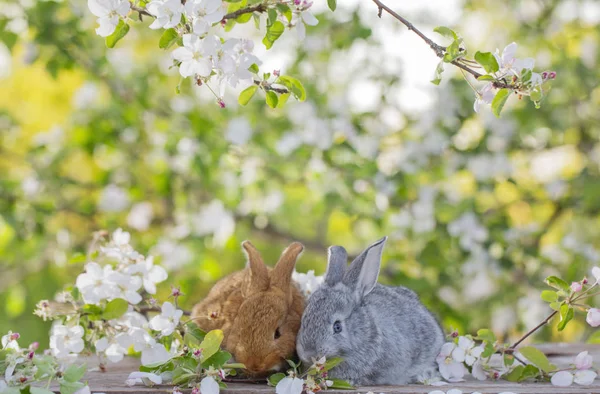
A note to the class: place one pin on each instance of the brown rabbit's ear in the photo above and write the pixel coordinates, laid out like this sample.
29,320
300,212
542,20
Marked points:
258,278
281,276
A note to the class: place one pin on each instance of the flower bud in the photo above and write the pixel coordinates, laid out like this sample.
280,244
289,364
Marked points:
196,390
34,346
14,336
197,353
276,73
30,355
576,287
454,334
176,292
584,281
221,103
552,75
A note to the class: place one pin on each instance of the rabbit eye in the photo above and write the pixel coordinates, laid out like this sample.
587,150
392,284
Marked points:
337,327
277,333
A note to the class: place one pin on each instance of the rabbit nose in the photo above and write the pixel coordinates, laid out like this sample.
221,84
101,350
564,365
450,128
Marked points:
304,353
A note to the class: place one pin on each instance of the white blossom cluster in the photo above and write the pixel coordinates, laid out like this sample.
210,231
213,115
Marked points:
307,282
120,273
511,67
205,54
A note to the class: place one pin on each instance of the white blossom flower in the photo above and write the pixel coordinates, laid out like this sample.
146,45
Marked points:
127,287
478,372
209,385
509,63
151,274
233,60
484,96
153,352
195,56
12,360
146,378
204,14
466,351
305,18
593,317
109,12
140,216
94,285
113,199
583,361
84,390
562,379
9,341
115,348
289,385
3,385
308,282
65,340
168,319
596,273
451,370
167,13
585,378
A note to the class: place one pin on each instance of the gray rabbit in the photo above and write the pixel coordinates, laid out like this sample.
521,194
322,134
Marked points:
385,335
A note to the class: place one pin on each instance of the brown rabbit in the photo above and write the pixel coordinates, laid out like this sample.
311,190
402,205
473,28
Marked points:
258,309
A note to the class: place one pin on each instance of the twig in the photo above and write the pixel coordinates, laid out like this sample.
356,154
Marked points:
142,11
255,8
267,86
438,49
534,329
146,309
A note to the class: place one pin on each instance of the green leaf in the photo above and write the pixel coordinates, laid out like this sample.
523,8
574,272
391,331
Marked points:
499,101
488,61
271,99
555,305
566,315
91,309
453,52
529,371
294,85
67,387
115,309
234,366
446,32
537,358
283,98
558,283
211,344
549,296
340,384
120,32
275,378
273,33
285,11
332,363
78,258
74,373
486,78
253,69
168,38
193,329
508,359
332,4
487,335
217,360
488,351
272,17
246,94
437,78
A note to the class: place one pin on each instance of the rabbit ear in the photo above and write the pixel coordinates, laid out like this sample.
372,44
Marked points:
281,276
364,270
337,259
258,279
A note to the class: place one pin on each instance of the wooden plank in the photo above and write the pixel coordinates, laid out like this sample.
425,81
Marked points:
113,380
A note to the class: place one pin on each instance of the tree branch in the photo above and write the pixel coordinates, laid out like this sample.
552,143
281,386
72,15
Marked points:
267,86
247,10
438,49
534,329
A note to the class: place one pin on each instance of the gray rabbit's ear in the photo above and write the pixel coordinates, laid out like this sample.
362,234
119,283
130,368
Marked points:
364,270
337,259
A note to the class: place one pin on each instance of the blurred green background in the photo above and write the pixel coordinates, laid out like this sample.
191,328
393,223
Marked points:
479,210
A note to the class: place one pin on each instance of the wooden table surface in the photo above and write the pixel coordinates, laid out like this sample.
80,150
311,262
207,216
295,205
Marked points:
113,380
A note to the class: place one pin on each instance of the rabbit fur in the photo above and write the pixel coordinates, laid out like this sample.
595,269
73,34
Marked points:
258,309
386,337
